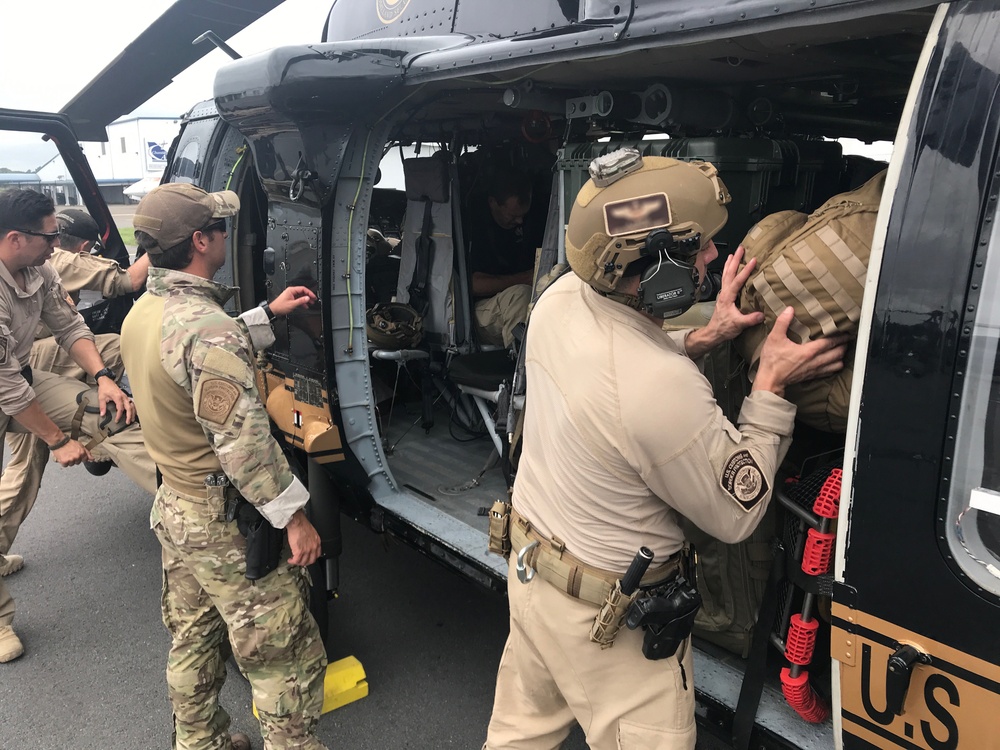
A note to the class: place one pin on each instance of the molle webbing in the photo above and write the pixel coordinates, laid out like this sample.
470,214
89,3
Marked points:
816,264
569,574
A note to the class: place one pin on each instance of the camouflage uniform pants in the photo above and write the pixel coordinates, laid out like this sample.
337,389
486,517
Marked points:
274,637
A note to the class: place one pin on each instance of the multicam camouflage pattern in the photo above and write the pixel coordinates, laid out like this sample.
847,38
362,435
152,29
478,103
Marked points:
191,367
208,361
274,638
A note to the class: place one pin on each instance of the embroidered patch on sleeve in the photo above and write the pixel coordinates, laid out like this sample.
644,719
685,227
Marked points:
743,480
218,397
4,349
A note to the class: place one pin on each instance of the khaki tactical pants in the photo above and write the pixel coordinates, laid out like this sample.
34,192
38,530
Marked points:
498,316
57,396
551,676
22,476
274,637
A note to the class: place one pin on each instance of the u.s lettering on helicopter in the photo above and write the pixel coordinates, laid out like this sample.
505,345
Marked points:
862,613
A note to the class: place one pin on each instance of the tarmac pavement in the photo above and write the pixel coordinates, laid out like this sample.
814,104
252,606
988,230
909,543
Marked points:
92,676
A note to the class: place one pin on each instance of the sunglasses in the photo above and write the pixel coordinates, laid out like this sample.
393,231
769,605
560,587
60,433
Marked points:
50,236
216,226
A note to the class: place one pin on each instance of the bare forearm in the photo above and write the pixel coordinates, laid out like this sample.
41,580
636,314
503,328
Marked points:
487,284
38,423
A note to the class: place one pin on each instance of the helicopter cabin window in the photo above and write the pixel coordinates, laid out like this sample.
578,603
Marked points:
973,517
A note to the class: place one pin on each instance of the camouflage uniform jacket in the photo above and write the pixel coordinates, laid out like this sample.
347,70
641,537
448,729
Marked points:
43,299
191,367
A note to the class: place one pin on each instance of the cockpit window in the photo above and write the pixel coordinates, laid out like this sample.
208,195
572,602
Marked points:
192,151
973,513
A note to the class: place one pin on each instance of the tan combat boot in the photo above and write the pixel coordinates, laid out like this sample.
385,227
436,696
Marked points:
10,564
240,741
10,645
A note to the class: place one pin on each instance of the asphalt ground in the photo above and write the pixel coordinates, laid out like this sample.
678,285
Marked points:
93,671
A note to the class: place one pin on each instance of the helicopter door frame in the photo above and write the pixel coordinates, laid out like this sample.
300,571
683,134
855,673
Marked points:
908,672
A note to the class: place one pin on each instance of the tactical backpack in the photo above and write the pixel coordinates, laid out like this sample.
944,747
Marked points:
817,264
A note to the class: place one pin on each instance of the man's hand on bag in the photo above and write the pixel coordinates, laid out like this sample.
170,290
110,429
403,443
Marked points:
292,298
727,321
783,362
303,539
108,391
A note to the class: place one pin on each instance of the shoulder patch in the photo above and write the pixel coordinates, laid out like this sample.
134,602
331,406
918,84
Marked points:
219,361
4,348
217,397
743,480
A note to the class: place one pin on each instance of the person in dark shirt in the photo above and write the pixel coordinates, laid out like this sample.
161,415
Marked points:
502,238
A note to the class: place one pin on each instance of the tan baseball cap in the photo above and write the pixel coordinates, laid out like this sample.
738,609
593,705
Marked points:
173,212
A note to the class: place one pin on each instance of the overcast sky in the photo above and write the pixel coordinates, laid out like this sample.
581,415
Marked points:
53,48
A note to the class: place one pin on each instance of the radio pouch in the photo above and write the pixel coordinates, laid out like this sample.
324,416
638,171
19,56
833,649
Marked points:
610,617
499,543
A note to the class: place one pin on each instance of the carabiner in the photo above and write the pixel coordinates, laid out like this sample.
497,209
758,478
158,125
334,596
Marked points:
524,573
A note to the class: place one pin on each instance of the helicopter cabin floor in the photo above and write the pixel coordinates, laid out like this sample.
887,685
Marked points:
440,468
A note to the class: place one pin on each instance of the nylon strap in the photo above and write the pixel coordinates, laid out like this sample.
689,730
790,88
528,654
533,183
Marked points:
568,573
812,305
844,253
828,281
773,301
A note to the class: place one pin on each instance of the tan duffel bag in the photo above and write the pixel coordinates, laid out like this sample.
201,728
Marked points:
817,264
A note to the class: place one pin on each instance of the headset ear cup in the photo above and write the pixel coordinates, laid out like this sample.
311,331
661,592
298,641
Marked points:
668,287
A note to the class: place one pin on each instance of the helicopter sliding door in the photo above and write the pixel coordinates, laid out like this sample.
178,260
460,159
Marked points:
917,605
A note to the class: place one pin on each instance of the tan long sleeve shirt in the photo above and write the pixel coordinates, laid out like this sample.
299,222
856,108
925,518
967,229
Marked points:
43,300
85,271
622,434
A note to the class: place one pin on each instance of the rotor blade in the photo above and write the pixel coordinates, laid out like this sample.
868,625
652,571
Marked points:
148,65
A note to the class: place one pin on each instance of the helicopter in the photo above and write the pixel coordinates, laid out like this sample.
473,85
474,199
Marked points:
418,440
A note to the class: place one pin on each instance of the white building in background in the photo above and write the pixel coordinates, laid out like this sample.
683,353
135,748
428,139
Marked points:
136,150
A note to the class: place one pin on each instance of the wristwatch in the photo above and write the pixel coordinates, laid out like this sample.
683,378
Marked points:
107,372
266,307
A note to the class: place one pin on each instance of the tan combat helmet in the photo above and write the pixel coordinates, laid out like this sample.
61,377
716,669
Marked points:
627,198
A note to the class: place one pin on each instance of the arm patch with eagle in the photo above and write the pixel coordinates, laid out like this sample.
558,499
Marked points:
224,377
743,480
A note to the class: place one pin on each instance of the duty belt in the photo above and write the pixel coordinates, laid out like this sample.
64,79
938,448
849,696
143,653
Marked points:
27,374
553,564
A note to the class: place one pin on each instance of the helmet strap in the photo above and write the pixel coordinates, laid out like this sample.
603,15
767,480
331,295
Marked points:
629,300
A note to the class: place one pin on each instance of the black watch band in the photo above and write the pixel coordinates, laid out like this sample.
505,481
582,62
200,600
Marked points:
107,372
266,307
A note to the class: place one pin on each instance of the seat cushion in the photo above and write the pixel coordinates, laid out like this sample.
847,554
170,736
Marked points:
483,370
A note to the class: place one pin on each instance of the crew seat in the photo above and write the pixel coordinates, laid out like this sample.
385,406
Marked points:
431,273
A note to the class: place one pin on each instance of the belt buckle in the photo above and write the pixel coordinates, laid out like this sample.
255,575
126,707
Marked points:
524,573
